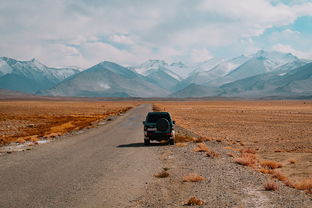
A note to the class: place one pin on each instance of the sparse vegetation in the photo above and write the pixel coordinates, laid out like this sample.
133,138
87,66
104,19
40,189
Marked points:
157,108
292,161
279,176
212,154
270,185
246,159
248,150
201,147
305,184
162,174
22,121
200,139
270,164
274,129
193,177
193,201
183,138
180,144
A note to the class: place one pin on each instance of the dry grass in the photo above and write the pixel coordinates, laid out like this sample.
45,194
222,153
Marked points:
279,176
246,159
201,147
265,170
180,144
305,184
230,154
231,148
20,140
270,164
162,174
183,138
265,126
193,177
292,161
248,150
212,154
200,139
270,185
157,108
25,119
193,201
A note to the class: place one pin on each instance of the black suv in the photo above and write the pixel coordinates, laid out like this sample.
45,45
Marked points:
158,126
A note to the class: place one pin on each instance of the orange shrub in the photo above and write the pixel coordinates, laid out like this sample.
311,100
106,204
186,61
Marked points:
201,147
270,185
270,164
193,177
162,174
194,201
212,154
246,159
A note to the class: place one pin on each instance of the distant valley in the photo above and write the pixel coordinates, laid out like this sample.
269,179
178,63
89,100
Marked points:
259,75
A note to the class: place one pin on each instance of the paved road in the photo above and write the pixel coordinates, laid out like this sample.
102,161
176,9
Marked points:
103,167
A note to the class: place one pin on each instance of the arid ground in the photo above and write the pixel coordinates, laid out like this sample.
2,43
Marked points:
22,121
279,131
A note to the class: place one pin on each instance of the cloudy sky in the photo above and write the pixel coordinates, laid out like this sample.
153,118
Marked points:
84,32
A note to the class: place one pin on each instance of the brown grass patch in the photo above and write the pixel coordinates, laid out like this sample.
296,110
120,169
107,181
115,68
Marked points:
305,184
292,161
246,159
180,144
201,147
265,171
279,176
20,140
25,118
248,150
230,154
193,177
157,108
270,185
270,164
183,138
193,201
231,148
212,154
200,139
162,174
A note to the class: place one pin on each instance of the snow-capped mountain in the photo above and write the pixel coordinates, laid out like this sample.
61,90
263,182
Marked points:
159,73
261,74
206,65
295,82
30,76
106,79
219,71
151,66
181,69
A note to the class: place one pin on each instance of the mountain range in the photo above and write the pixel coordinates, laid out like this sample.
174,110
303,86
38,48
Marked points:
265,73
30,76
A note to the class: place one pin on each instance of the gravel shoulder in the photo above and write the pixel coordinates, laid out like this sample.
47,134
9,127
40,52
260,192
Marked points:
226,183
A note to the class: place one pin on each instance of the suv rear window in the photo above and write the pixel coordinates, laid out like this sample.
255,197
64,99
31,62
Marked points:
153,118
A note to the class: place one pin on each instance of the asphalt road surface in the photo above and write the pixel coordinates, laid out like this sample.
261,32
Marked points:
104,167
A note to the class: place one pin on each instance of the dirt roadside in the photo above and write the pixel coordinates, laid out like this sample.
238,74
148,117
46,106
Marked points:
226,183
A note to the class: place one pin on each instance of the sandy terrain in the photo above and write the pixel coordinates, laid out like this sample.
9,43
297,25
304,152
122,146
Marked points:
22,121
278,130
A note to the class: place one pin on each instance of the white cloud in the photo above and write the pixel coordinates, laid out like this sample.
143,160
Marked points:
82,32
200,55
123,39
289,49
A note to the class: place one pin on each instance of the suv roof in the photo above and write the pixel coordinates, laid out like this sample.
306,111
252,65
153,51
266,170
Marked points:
152,117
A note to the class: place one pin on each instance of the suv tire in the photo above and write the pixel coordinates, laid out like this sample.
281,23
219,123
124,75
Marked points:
147,142
171,141
162,124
